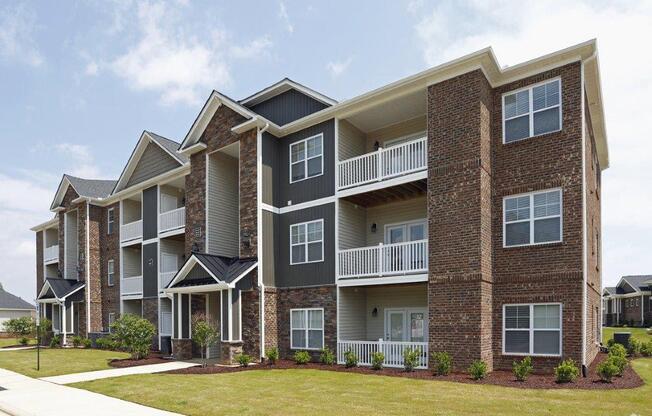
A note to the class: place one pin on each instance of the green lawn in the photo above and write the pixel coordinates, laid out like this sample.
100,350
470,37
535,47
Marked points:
57,361
5,342
640,333
315,392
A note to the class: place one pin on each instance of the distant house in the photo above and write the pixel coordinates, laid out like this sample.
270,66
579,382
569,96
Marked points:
629,302
11,306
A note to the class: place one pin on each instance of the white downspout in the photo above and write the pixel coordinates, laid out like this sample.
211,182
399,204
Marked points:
88,266
259,226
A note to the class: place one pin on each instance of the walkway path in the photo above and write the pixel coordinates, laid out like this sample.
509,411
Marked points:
18,348
118,372
26,396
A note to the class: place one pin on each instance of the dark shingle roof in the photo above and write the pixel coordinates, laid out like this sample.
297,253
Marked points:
610,290
9,301
169,145
226,269
93,188
638,281
62,287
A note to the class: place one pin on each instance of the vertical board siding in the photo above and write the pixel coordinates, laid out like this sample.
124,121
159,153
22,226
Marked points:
223,205
396,212
269,248
353,222
269,167
150,213
153,162
150,270
352,142
353,314
288,106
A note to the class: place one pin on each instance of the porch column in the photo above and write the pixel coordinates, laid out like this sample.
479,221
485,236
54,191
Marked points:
62,309
181,342
231,324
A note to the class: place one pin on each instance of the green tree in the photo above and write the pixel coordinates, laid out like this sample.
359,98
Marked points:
203,334
21,328
134,334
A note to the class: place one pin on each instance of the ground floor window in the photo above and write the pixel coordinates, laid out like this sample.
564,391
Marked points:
532,329
111,319
307,329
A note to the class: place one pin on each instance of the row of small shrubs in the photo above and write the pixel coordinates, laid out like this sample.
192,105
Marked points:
78,341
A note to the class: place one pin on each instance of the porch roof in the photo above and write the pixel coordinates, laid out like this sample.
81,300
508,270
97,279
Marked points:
59,289
222,272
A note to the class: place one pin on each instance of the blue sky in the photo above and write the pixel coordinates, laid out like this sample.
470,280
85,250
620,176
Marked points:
80,80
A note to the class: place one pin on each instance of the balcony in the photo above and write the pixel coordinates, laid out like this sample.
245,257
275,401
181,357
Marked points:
383,164
172,220
392,350
51,254
131,231
384,260
131,286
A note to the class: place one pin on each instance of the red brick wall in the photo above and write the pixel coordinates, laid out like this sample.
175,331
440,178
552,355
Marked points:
251,321
94,277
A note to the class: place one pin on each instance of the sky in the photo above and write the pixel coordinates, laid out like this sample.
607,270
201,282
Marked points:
81,80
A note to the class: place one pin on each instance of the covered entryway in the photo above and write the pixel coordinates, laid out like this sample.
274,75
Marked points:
60,300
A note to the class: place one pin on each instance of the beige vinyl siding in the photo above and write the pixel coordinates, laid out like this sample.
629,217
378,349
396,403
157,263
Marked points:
132,265
131,211
392,213
352,222
174,192
51,237
394,296
268,248
352,141
176,247
153,162
71,245
395,131
352,314
223,205
51,270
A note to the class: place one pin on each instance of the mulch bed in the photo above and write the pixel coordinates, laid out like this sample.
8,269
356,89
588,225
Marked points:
153,358
499,378
18,345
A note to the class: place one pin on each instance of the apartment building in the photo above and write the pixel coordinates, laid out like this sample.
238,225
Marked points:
629,302
454,210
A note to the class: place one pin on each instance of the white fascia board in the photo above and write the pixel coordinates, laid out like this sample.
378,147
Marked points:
389,280
197,147
197,289
45,225
243,274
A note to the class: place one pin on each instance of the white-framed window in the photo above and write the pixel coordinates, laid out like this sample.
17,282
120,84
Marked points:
307,242
110,221
533,218
532,111
110,272
111,319
532,329
307,329
306,158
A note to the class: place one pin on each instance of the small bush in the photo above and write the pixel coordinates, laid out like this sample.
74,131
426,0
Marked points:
646,349
620,362
634,346
350,359
443,363
327,356
105,343
301,357
617,349
522,369
377,360
134,334
23,341
86,343
22,327
611,342
55,342
478,370
243,360
410,359
566,371
607,370
272,355
76,341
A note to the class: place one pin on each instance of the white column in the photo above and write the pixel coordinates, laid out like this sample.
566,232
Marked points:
64,328
178,312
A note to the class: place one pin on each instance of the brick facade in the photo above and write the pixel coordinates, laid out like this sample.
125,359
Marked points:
110,250
251,322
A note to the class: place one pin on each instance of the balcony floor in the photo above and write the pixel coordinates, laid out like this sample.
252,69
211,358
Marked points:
394,193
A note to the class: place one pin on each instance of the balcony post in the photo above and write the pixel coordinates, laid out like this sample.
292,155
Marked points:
380,164
381,261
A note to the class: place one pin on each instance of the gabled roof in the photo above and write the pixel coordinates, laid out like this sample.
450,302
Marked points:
60,288
637,282
10,301
609,290
222,272
87,188
282,86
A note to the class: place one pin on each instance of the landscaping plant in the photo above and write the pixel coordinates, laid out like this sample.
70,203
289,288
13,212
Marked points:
522,369
86,343
327,356
302,357
76,341
617,349
634,346
243,360
377,360
646,349
619,361
566,371
350,359
134,334
22,328
443,363
55,342
478,370
105,343
204,334
607,370
411,359
272,355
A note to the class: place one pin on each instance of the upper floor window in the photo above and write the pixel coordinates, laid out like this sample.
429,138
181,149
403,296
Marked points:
110,272
306,158
533,218
532,111
307,242
532,329
110,220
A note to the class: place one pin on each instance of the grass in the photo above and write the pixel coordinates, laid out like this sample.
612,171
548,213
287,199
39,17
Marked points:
316,392
639,333
5,342
55,362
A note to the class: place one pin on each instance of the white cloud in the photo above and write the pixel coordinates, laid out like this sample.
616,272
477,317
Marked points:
623,30
414,6
77,159
254,49
92,68
17,27
285,18
337,68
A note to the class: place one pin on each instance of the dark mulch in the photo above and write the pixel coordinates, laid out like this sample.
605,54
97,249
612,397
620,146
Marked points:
499,378
18,345
153,358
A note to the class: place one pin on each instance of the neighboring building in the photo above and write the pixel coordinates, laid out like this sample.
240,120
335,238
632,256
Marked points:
11,306
454,210
629,302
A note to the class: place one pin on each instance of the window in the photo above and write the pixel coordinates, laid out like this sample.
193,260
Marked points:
111,319
110,272
307,329
307,242
532,111
306,158
533,218
110,220
636,301
533,329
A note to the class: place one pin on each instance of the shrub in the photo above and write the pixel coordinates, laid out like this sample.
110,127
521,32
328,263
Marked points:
410,359
522,369
105,343
327,356
203,334
22,327
243,360
566,371
611,342
134,334
620,362
45,325
272,355
23,341
87,343
55,342
301,357
634,346
377,360
478,370
443,363
76,341
646,349
350,359
607,370
617,349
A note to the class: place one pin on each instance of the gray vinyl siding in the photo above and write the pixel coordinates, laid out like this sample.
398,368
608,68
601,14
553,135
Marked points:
270,163
309,274
150,213
71,245
269,248
352,227
223,205
153,162
287,107
150,270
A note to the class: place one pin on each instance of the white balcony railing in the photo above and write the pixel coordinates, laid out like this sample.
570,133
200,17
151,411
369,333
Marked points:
383,164
166,323
51,254
165,278
131,231
172,220
384,260
393,351
130,286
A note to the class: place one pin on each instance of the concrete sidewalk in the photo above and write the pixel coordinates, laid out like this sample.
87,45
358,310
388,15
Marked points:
29,347
25,396
118,372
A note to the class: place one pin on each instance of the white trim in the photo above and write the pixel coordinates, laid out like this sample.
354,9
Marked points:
390,280
304,205
531,220
229,314
585,260
307,328
206,203
110,277
306,158
282,86
306,242
531,329
406,227
406,311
